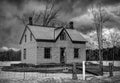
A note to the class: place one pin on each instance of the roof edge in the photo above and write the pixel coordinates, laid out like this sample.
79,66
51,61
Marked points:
54,40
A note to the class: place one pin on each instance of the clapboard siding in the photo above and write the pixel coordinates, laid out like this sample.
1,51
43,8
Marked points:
55,51
31,48
35,49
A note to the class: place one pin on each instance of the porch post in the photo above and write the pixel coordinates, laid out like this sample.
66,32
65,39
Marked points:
83,63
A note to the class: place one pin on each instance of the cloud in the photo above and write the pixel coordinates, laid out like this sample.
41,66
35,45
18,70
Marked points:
110,2
4,48
86,18
11,27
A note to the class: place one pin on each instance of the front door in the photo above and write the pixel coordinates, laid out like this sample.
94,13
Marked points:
62,55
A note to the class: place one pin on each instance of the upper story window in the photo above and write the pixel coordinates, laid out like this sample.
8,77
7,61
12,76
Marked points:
63,36
30,36
47,53
24,53
76,52
25,38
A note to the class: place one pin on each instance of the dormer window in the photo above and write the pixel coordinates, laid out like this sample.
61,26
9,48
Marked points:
63,36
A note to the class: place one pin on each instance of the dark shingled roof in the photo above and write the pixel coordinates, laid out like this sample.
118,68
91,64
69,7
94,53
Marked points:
48,33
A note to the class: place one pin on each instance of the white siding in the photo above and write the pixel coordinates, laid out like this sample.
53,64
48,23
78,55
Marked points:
35,50
40,53
30,47
55,51
70,53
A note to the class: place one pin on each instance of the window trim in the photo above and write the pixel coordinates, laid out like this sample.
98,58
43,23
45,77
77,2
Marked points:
30,36
47,55
76,54
63,36
25,38
24,53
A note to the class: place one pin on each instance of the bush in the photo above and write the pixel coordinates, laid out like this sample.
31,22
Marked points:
6,68
22,65
4,81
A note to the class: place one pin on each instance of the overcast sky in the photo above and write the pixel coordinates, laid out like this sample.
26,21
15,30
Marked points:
11,27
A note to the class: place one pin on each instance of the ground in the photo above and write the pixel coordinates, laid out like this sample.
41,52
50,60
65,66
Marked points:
114,79
57,68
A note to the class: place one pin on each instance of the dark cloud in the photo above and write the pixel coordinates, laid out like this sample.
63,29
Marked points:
11,28
4,35
110,2
69,6
85,28
18,3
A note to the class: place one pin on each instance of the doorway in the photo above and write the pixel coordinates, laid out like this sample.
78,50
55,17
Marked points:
62,55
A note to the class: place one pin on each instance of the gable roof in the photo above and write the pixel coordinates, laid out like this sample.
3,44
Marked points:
75,35
45,33
48,33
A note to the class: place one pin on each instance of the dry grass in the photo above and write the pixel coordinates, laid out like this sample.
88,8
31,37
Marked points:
4,81
52,80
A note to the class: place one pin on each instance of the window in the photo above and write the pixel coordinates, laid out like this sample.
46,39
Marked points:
47,53
76,53
24,54
63,36
30,36
25,38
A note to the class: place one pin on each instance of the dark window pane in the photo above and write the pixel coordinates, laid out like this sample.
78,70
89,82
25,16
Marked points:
24,53
63,36
76,53
25,38
30,36
47,53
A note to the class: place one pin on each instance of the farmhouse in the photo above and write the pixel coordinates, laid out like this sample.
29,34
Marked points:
52,45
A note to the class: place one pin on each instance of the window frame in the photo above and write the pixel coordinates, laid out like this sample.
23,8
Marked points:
63,36
30,36
25,38
76,53
24,53
47,53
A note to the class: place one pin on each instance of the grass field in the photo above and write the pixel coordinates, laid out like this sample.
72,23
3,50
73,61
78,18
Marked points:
57,68
52,74
115,79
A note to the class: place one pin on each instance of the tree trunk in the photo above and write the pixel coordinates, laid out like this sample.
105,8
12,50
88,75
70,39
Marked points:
99,35
100,58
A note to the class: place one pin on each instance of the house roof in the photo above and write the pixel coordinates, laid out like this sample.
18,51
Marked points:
75,35
48,33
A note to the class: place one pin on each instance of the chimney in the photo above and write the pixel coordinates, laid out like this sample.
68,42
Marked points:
30,21
71,25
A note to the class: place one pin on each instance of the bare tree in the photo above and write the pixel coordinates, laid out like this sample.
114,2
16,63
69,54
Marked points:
99,17
112,40
47,17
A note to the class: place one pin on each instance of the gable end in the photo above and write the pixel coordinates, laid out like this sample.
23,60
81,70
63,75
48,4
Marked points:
61,33
24,33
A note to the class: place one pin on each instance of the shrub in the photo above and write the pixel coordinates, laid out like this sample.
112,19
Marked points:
4,81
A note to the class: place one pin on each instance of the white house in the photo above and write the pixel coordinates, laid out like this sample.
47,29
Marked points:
52,45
